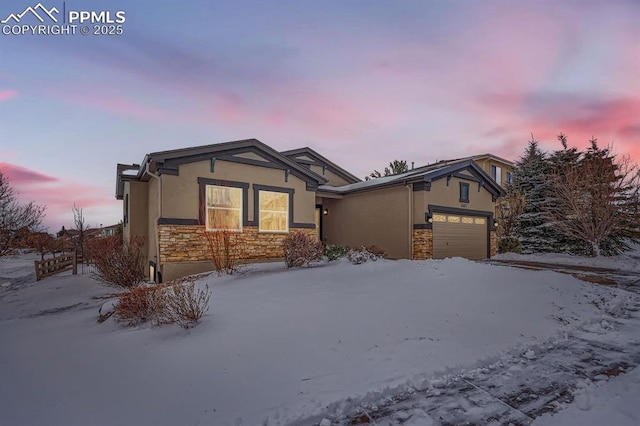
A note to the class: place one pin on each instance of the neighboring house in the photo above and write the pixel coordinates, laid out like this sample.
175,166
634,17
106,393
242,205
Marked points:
499,169
109,231
436,211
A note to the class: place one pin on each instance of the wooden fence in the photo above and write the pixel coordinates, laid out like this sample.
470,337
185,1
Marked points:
55,265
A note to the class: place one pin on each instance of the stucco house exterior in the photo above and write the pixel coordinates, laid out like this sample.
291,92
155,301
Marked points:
173,197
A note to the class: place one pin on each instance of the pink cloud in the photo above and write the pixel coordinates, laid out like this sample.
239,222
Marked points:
7,94
611,121
57,195
110,101
117,104
19,175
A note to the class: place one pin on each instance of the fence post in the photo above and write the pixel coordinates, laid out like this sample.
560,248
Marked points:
75,263
37,265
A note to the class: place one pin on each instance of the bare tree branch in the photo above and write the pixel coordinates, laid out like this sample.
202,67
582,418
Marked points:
595,198
17,220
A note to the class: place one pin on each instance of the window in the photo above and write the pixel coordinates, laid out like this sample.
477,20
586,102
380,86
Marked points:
224,208
496,174
439,218
274,211
509,177
464,192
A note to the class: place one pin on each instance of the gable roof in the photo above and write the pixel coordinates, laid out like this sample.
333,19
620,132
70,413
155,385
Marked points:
168,162
307,155
422,174
478,157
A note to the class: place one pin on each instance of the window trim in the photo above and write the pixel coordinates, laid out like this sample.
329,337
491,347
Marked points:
207,208
290,191
203,182
466,186
288,214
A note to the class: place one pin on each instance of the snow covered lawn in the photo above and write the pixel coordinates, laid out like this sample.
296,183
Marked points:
628,262
277,346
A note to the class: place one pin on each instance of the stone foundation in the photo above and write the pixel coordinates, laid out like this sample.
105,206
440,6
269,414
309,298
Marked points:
188,243
422,247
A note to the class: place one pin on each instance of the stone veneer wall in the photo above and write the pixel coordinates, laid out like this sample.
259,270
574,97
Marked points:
493,243
422,244
187,243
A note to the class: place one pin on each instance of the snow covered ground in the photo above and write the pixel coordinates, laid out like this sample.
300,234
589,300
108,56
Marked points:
629,261
282,347
605,403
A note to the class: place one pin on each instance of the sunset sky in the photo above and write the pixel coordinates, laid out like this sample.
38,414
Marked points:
361,82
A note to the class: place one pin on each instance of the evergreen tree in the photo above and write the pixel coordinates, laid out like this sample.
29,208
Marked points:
559,161
529,180
396,167
596,201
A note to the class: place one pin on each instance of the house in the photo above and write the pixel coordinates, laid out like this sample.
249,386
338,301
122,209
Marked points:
499,169
440,210
109,231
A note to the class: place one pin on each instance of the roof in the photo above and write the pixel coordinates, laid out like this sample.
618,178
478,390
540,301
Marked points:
478,157
298,155
295,160
168,162
425,173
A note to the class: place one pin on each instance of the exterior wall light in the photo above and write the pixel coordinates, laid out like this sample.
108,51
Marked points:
428,218
325,212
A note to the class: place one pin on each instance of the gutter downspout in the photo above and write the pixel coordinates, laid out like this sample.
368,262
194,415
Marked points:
153,175
410,224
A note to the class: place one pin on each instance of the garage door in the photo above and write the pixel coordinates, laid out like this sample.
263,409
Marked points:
459,235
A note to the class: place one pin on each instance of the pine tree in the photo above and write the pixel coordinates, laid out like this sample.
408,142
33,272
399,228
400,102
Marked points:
396,167
596,201
529,179
559,161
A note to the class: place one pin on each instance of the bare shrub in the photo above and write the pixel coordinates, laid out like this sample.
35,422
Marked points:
118,263
361,255
224,250
141,304
301,249
185,304
508,211
377,251
179,303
